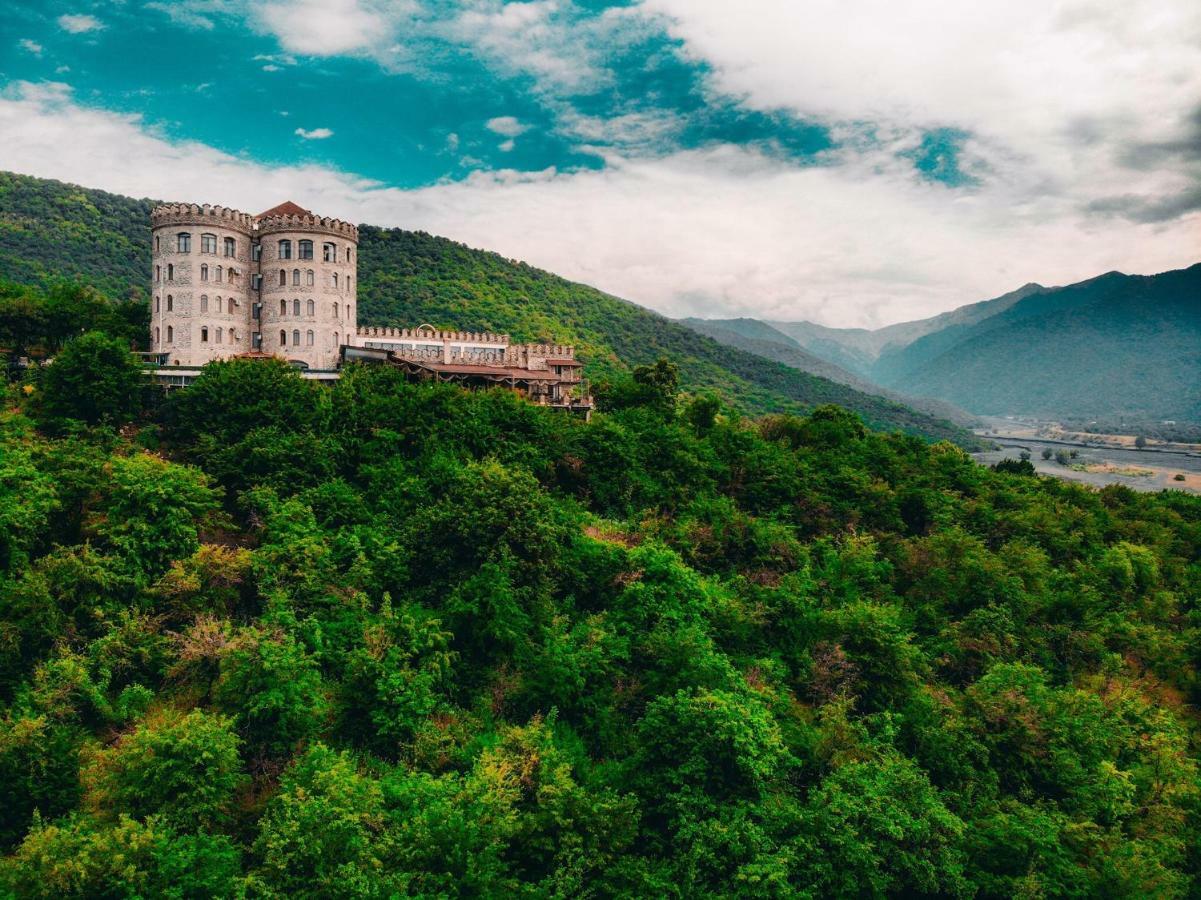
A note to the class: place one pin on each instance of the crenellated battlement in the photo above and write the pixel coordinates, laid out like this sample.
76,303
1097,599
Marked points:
201,214
427,333
322,224
542,351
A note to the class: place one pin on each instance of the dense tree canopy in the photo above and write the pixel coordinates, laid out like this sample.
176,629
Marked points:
393,639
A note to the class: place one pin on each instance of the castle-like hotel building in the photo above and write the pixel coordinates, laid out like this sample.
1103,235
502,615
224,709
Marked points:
225,283
283,284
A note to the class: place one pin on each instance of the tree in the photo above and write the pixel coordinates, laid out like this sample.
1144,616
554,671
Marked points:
95,379
182,768
1140,442
1048,452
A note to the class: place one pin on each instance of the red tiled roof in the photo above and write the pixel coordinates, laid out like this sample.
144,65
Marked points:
287,208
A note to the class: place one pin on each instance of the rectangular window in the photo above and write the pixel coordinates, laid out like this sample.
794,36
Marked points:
231,247
185,243
329,252
256,282
208,243
256,340
256,310
306,249
256,252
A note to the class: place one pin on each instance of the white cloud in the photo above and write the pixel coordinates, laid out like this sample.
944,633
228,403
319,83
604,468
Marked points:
30,46
506,146
189,13
1055,93
323,27
719,231
79,24
508,126
317,134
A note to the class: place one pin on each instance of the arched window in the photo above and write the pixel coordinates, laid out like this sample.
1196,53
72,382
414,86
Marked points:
185,242
158,274
335,309
208,243
329,252
309,337
295,337
296,277
204,272
170,303
204,302
158,244
156,303
306,250
296,307
348,254
283,277
285,249
218,278
335,281
219,335
336,344
170,334
231,247
204,335
233,336
283,338
311,307
232,305
156,332
170,271
308,277
348,284
283,307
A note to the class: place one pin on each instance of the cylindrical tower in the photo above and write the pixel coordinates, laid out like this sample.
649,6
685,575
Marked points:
201,286
309,292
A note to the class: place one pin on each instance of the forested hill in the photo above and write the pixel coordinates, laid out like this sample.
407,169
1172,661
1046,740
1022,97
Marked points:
49,229
269,638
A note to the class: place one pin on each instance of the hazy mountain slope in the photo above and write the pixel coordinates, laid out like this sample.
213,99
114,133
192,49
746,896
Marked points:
861,350
1117,345
49,229
774,345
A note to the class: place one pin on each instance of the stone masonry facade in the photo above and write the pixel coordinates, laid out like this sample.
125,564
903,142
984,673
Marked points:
224,283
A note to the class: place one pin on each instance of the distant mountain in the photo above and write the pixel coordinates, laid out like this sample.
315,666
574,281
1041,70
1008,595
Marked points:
49,229
763,340
1116,346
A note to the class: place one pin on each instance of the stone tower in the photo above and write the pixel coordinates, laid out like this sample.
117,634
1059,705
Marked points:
224,282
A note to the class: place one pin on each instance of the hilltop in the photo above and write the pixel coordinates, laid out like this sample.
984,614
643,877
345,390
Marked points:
50,229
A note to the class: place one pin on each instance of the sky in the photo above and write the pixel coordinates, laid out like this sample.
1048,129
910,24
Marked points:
854,163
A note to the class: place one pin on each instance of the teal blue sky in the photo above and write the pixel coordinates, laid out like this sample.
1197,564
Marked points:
855,163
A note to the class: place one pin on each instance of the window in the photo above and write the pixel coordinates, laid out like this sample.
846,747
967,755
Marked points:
256,310
256,282
295,337
184,242
156,302
335,309
308,277
283,277
158,273
158,244
348,284
335,281
283,307
170,303
283,338
208,243
256,340
219,335
231,247
348,254
296,277
170,271
329,252
309,337
156,336
204,335
204,272
306,250
296,307
311,307
231,274
204,302
285,249
256,252
218,278
233,336
170,334
335,339
232,304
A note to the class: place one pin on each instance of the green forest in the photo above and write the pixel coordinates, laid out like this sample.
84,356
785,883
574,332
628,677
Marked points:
50,231
262,637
